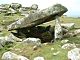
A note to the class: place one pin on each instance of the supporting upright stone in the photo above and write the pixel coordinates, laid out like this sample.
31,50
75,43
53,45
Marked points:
58,29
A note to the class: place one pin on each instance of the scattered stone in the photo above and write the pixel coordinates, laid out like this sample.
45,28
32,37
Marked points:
3,9
74,54
56,53
64,41
68,46
76,32
9,56
34,6
15,6
45,44
22,58
68,25
32,41
12,11
8,39
12,56
39,58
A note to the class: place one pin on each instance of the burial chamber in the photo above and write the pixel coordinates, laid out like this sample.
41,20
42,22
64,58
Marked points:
28,26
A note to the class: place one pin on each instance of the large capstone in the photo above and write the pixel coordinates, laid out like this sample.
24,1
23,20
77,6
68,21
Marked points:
39,17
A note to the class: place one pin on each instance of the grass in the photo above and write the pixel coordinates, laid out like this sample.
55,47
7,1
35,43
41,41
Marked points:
44,51
6,20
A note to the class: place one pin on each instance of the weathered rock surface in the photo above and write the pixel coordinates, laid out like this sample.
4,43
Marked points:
15,6
8,39
32,41
12,11
68,46
39,17
74,54
12,56
58,29
34,6
39,58
64,41
68,25
76,32
3,9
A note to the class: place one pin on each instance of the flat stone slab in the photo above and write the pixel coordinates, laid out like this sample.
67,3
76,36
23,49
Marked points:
39,17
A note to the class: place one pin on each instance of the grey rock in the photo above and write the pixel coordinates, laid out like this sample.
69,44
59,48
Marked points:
39,17
76,32
68,25
34,6
68,46
58,29
15,6
39,58
74,54
64,41
12,56
32,41
3,9
12,11
8,39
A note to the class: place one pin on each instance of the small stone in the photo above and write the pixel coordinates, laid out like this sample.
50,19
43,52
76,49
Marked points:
45,44
39,58
64,41
22,58
56,53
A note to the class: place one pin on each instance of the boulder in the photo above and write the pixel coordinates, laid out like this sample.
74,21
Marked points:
74,54
68,25
76,32
15,6
12,56
8,39
32,41
39,58
3,9
34,6
68,46
12,11
64,41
